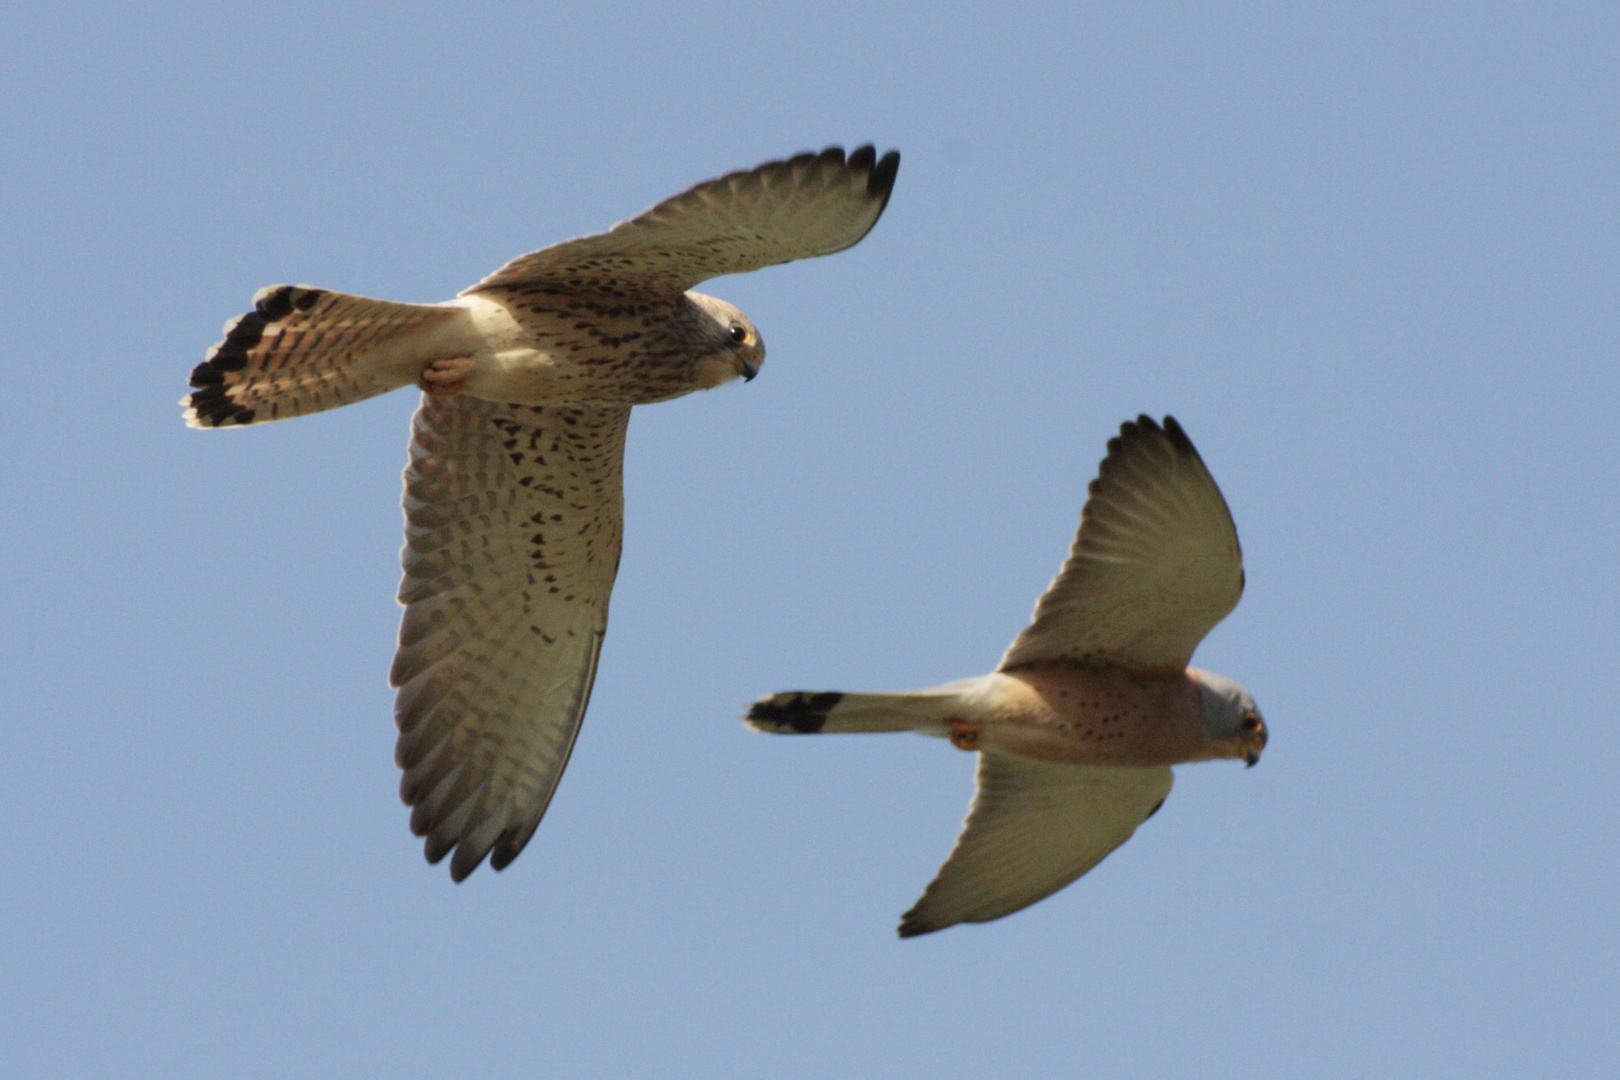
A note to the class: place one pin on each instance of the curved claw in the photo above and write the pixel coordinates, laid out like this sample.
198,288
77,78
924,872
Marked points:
446,376
964,733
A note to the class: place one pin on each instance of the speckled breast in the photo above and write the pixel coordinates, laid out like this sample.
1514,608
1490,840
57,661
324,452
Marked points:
1089,715
552,347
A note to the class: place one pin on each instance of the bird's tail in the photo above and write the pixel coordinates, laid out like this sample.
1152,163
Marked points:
805,712
302,349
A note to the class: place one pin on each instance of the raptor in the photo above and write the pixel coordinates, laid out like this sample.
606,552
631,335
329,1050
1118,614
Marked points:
513,491
1078,726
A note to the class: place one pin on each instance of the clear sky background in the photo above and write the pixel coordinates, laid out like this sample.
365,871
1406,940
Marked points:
1366,254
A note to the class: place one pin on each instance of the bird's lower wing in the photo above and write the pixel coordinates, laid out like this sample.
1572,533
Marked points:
1033,828
513,520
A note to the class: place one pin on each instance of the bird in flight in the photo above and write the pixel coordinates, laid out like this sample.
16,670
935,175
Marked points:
513,490
1077,728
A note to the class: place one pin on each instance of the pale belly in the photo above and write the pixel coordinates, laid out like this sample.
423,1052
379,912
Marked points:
1096,716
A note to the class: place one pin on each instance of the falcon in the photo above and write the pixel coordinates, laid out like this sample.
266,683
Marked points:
514,487
1077,728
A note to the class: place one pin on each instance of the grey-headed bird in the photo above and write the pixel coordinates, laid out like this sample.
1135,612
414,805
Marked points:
1077,728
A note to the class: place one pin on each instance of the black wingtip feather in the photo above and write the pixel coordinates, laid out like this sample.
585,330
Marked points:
910,928
1178,436
510,844
1144,426
880,184
506,847
465,862
880,173
434,850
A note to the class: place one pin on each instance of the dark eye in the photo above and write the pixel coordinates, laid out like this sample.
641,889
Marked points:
739,333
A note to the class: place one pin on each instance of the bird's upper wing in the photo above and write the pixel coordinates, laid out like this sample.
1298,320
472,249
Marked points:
1033,828
513,519
811,204
1155,566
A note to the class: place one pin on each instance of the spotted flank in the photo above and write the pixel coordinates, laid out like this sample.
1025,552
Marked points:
301,350
796,713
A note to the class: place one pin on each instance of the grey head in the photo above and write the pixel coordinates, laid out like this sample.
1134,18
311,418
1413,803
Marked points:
737,347
1232,721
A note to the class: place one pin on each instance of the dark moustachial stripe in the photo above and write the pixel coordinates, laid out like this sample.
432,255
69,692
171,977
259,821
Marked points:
797,713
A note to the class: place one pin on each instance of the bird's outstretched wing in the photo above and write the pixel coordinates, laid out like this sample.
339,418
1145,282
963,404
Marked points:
807,205
513,519
1155,566
1033,828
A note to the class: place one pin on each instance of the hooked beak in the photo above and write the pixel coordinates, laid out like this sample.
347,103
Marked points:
1253,744
749,370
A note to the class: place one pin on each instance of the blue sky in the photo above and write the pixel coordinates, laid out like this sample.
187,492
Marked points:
1366,255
